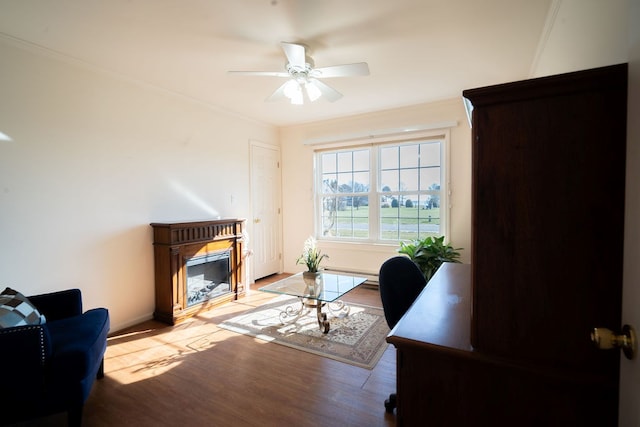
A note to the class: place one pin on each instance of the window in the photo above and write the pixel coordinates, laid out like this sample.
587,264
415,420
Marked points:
385,192
345,178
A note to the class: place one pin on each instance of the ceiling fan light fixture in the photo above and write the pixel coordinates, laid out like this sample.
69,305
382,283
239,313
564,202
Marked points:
312,91
293,91
304,80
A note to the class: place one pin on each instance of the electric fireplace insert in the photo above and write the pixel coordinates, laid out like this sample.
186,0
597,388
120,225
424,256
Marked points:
208,276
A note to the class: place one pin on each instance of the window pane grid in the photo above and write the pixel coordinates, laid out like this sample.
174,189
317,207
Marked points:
404,204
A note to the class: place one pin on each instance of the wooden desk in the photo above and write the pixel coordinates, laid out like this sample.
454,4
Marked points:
443,381
440,318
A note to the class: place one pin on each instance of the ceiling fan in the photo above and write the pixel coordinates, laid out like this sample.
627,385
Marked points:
304,80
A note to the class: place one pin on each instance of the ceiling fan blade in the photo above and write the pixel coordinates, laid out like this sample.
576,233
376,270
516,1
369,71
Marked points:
295,54
345,70
278,94
329,93
260,73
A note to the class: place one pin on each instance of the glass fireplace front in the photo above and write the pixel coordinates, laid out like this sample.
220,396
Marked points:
208,276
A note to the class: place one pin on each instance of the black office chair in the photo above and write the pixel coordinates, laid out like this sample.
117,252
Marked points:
401,281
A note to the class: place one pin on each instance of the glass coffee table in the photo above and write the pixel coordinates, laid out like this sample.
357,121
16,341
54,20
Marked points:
323,290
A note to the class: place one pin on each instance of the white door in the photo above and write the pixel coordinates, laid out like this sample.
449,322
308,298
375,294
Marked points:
265,198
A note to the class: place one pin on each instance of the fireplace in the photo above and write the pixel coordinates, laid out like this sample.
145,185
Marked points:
208,276
198,265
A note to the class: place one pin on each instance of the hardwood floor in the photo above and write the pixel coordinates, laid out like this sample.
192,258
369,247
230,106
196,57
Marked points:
196,374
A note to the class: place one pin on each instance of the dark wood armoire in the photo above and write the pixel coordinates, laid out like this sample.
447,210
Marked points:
511,343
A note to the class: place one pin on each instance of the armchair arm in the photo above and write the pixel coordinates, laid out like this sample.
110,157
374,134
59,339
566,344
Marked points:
58,305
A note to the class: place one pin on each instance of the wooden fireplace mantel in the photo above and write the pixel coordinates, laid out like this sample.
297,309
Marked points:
174,244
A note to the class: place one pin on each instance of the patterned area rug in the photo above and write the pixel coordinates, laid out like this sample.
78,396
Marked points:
358,339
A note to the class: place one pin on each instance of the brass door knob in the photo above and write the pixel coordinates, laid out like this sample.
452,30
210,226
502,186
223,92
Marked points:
605,339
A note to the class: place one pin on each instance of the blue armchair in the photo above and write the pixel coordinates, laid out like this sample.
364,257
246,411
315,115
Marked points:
50,367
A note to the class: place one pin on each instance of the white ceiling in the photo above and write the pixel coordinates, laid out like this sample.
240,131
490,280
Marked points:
418,50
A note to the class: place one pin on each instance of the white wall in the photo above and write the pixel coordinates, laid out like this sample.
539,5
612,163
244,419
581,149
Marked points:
583,34
95,159
297,165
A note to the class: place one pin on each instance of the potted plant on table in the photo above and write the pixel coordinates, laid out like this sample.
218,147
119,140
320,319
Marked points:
429,254
311,257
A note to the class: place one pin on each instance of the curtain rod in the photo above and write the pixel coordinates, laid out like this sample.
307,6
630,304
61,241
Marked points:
382,133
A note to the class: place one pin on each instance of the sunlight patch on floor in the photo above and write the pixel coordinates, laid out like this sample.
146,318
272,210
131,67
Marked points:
156,353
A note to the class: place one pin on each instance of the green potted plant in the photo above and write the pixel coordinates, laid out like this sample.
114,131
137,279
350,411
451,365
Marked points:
311,257
429,254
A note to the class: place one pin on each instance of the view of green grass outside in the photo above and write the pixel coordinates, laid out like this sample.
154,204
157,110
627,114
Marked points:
399,223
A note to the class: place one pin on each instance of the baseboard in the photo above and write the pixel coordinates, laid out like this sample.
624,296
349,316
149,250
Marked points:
372,278
119,327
